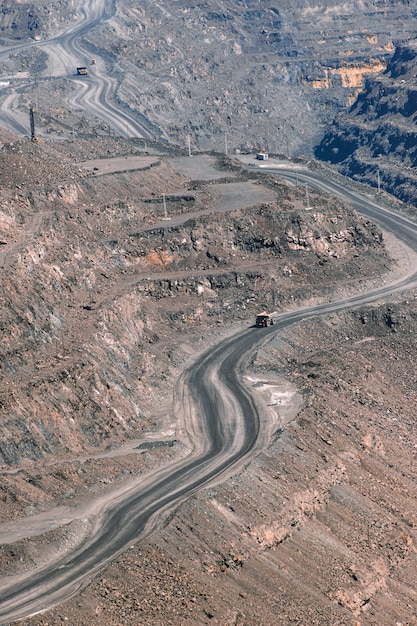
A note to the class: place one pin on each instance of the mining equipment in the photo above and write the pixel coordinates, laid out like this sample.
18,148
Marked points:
82,71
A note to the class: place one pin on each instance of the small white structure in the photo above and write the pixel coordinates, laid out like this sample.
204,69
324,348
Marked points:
262,156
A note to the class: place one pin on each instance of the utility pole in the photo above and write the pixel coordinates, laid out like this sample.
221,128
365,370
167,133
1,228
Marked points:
189,145
165,208
32,124
307,198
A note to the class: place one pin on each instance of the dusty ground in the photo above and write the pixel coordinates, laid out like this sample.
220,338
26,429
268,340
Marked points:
103,304
320,529
248,75
104,300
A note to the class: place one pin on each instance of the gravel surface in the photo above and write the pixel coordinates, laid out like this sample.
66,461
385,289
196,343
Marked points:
134,304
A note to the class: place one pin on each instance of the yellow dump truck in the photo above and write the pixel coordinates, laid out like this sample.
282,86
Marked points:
266,319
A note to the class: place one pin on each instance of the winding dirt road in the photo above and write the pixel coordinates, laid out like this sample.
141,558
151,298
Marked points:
217,413
65,53
222,422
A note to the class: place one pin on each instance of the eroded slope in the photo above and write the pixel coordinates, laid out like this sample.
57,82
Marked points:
375,142
102,308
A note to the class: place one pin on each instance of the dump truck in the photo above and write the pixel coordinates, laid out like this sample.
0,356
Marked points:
266,319
82,71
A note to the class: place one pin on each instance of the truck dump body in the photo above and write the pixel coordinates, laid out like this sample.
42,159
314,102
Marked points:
82,71
265,319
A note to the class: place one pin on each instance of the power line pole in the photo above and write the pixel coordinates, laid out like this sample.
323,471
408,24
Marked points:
32,124
307,198
165,208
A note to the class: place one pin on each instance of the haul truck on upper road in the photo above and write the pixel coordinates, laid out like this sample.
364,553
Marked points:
266,319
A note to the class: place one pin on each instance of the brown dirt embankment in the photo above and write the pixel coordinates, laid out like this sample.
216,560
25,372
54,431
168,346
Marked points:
94,306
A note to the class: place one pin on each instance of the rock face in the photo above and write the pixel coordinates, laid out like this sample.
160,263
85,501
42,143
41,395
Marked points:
93,298
268,76
378,137
101,307
32,19
249,74
78,361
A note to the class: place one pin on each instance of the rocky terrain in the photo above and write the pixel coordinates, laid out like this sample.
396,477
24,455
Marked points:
81,257
256,76
36,20
242,74
375,141
96,293
121,260
320,529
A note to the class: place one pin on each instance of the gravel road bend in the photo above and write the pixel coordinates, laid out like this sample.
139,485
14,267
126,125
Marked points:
95,90
217,413
213,405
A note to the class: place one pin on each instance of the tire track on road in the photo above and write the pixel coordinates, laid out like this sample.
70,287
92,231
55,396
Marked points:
220,417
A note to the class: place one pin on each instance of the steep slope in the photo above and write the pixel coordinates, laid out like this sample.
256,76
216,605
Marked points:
320,529
266,76
239,74
103,300
94,296
378,137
